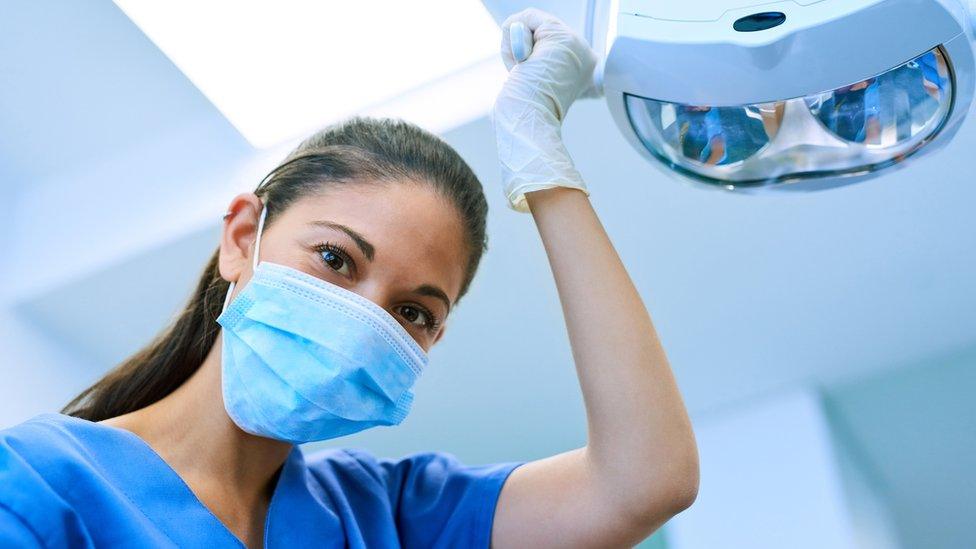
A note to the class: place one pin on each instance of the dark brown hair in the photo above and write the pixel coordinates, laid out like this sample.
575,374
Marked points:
360,150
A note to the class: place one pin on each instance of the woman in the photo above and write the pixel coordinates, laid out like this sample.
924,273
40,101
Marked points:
313,319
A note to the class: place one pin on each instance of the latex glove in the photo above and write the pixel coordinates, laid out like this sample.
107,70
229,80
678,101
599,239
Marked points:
529,111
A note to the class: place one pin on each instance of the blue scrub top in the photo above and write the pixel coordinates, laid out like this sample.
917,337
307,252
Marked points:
68,482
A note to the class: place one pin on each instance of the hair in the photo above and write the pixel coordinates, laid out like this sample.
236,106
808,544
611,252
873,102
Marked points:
361,151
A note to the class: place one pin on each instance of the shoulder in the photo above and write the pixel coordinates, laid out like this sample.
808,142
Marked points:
431,466
344,458
436,499
40,460
44,442
354,470
37,429
361,467
48,442
39,449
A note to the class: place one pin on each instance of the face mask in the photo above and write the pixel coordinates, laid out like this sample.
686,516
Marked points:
305,360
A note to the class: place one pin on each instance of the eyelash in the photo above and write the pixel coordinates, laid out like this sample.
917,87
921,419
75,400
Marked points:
337,249
432,324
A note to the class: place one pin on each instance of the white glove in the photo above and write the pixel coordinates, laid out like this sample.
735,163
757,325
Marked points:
529,111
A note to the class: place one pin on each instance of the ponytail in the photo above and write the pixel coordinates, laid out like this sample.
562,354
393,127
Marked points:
169,360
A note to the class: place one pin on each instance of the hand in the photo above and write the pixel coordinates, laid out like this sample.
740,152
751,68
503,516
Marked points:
529,111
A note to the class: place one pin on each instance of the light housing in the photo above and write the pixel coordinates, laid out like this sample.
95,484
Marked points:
814,93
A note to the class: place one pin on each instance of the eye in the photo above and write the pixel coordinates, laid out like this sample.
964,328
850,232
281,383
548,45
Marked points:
335,258
418,317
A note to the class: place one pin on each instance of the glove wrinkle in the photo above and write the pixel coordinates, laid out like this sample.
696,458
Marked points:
528,114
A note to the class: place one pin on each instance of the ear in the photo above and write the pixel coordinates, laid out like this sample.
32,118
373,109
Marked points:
237,240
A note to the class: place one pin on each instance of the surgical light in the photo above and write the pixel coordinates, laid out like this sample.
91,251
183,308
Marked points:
747,94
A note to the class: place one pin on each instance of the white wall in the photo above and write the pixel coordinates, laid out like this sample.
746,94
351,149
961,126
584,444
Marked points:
914,429
769,480
39,374
106,151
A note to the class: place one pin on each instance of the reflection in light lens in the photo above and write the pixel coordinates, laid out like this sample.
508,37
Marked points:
855,129
890,108
714,136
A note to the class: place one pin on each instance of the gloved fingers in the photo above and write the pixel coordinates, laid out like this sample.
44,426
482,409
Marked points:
534,19
506,51
528,113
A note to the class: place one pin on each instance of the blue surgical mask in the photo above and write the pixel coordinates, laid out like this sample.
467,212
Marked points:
305,360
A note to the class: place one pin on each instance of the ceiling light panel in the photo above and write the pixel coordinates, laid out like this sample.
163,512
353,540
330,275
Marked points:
279,69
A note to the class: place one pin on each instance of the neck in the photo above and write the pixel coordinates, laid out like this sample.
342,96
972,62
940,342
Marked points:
192,432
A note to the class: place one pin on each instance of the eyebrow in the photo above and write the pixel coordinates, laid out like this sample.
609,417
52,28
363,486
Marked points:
434,291
364,246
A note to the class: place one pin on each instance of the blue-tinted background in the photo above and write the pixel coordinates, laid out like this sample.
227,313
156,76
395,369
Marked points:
825,343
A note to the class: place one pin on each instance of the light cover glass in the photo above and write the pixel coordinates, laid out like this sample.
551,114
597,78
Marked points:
854,129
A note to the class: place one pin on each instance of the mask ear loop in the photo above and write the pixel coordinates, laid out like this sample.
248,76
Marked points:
254,262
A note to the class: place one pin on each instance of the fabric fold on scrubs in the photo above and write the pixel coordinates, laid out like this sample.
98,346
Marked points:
68,482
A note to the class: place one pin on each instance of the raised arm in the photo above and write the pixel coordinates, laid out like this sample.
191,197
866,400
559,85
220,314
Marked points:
640,465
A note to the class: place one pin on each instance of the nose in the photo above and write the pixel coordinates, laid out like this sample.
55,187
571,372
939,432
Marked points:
376,291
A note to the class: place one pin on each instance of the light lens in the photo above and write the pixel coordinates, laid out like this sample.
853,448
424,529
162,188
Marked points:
711,136
890,108
858,128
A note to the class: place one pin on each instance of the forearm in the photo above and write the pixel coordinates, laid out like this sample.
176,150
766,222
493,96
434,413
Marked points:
640,464
640,442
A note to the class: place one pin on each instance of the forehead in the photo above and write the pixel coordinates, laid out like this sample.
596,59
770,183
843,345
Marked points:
417,233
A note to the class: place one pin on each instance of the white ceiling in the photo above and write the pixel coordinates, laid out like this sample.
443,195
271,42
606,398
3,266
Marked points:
282,69
80,83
